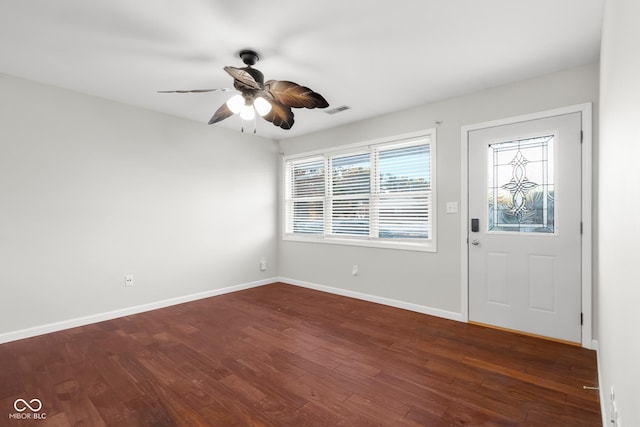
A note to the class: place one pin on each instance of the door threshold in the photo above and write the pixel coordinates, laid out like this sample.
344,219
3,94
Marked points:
542,337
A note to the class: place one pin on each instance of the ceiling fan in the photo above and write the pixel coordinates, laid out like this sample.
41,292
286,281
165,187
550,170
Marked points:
272,100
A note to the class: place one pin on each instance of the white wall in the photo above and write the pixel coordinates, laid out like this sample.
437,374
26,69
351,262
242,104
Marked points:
619,290
91,190
429,280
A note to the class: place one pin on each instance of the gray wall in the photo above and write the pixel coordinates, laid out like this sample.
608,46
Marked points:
92,190
430,280
619,291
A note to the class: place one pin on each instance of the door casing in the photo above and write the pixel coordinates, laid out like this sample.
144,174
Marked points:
586,250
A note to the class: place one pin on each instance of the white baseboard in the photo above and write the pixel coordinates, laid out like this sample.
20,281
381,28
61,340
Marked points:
603,409
451,315
100,317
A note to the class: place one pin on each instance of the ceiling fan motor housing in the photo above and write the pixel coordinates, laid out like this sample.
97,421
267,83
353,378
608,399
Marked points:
256,74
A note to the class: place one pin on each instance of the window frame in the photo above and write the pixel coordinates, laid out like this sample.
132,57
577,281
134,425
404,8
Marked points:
327,236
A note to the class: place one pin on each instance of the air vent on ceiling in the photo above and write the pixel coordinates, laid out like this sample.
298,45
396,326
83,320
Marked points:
339,109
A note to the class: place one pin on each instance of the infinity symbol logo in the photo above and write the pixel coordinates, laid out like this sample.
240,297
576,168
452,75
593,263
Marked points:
26,405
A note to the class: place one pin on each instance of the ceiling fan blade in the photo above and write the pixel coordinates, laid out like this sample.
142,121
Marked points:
221,113
280,114
243,77
293,95
222,89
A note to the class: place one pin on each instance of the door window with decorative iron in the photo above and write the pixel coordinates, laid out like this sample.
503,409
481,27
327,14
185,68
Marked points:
521,186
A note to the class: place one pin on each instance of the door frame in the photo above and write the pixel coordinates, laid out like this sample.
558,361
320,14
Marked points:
586,208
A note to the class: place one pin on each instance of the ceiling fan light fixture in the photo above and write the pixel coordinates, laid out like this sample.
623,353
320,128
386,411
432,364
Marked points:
235,103
247,112
262,106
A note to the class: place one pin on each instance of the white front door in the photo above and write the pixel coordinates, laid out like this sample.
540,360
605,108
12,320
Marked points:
525,226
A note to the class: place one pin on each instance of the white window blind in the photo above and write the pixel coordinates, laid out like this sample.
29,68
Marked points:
306,195
350,194
404,190
376,195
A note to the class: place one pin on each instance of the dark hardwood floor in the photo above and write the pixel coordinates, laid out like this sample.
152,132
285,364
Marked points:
280,355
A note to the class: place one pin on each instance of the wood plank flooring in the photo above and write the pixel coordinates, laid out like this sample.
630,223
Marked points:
280,355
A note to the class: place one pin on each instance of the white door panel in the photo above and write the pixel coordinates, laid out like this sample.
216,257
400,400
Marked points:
525,259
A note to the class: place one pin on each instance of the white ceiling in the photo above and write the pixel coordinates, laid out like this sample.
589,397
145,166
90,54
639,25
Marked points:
374,56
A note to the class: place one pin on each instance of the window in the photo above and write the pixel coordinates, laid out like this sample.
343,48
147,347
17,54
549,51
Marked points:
377,195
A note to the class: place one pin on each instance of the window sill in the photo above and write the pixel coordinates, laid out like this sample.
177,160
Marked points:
429,246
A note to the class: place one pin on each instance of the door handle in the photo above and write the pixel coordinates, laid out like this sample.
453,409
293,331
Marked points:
475,242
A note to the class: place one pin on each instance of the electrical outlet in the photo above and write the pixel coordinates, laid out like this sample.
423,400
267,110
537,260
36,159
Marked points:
263,264
354,270
613,413
452,207
128,280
